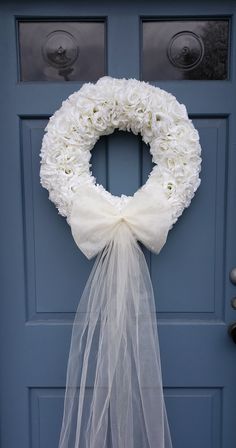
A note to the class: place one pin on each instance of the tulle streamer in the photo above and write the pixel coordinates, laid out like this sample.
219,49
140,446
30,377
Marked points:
114,396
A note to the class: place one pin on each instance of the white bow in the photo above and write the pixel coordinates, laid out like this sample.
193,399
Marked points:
114,333
94,219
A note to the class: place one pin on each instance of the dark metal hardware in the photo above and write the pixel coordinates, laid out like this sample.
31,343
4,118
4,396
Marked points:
232,331
232,276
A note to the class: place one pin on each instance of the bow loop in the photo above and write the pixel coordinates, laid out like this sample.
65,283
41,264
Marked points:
95,220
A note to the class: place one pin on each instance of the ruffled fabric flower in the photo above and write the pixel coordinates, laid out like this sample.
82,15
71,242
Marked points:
128,105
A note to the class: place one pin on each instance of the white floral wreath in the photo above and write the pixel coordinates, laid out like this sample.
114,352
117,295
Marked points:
128,105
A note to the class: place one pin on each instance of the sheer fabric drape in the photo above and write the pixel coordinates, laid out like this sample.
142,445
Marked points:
114,396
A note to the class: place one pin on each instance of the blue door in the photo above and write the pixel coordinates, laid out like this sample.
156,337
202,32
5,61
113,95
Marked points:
48,49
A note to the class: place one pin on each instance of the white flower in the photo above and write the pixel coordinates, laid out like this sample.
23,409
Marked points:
128,105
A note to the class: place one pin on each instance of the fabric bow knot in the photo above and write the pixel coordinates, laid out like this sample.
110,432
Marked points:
94,219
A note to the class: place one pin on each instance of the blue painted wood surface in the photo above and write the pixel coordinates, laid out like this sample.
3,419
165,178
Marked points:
43,273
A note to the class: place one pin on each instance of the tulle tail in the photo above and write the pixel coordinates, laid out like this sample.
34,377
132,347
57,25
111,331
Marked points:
114,396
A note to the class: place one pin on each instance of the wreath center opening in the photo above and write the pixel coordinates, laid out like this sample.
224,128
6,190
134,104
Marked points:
121,162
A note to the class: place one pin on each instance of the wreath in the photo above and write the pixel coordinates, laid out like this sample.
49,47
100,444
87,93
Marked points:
128,105
114,319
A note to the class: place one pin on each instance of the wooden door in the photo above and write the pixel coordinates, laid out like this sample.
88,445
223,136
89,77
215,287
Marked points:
43,273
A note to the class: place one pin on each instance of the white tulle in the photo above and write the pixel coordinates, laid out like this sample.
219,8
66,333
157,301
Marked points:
114,396
94,218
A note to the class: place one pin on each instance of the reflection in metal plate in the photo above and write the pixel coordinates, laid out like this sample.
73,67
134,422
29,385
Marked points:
61,51
185,49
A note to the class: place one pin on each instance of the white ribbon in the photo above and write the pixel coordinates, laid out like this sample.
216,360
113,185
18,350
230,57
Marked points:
94,220
114,396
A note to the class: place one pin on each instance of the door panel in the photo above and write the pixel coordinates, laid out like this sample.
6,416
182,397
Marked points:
43,273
